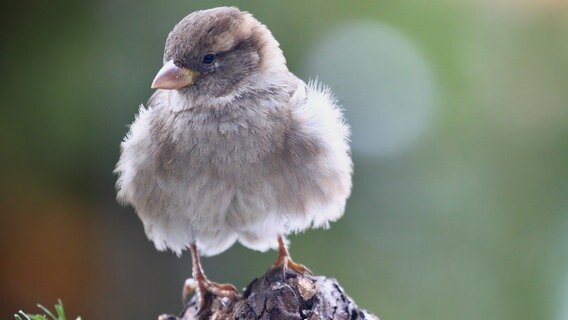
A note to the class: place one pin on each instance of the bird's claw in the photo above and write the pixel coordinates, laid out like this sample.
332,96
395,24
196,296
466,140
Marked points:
205,287
286,262
223,290
189,286
300,268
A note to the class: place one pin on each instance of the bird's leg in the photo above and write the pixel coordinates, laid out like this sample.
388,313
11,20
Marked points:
204,285
285,261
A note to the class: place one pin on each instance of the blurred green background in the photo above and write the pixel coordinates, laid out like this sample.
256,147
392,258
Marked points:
459,111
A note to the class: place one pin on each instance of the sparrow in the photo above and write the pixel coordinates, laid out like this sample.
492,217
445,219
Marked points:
232,146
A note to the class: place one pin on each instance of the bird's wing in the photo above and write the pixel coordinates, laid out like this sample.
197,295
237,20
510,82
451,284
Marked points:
318,112
322,134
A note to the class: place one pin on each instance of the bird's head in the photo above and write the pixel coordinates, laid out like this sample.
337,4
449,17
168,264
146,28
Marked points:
211,52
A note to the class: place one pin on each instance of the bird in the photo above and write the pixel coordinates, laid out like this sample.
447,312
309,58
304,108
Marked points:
233,147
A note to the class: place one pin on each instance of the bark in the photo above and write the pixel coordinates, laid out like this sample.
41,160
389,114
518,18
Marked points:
280,294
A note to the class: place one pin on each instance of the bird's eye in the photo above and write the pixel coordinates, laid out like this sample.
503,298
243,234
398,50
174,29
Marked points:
208,58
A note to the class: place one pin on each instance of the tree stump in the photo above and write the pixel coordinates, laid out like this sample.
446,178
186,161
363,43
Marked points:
280,294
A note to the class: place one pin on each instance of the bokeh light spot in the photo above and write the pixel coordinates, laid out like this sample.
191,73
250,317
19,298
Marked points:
382,81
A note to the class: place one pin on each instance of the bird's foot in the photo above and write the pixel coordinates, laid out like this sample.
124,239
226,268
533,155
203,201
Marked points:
285,262
189,286
298,267
206,288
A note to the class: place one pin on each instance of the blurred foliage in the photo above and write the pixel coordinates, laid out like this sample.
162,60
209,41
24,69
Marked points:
466,220
59,313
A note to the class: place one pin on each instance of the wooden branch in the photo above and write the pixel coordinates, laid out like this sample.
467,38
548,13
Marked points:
278,295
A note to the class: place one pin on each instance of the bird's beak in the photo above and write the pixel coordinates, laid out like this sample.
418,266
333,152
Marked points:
173,77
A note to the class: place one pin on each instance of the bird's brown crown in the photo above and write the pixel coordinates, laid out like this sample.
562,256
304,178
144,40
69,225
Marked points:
222,31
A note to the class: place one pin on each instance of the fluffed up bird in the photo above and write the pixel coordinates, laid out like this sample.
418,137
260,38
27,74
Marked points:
232,146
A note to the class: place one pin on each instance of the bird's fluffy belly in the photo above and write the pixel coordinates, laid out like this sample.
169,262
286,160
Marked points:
215,202
217,182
